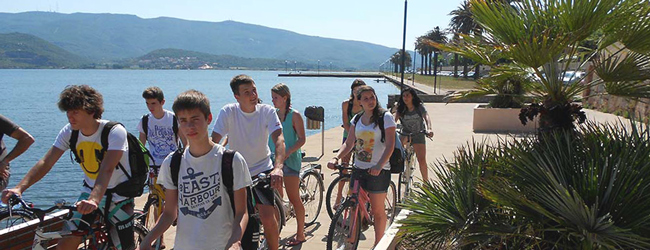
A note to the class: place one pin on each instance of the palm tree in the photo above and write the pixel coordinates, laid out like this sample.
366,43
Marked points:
419,48
439,37
543,38
396,59
463,22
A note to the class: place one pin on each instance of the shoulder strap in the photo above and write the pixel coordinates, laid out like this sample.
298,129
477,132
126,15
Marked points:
73,145
227,175
104,139
175,127
145,125
356,119
175,165
350,106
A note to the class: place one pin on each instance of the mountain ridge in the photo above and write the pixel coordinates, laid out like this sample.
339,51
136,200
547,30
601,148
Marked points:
107,37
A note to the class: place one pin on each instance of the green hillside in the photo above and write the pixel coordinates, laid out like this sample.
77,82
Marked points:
108,37
19,50
185,59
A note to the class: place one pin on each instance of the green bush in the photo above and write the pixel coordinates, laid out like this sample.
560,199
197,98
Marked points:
582,189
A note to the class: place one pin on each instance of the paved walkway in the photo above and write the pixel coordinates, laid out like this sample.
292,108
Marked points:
452,125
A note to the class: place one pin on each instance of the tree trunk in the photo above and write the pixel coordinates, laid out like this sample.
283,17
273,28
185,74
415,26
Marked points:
477,71
456,65
430,62
426,64
421,64
465,67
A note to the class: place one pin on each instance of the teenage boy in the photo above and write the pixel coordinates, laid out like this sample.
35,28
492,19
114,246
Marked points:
84,107
206,219
160,129
247,123
7,127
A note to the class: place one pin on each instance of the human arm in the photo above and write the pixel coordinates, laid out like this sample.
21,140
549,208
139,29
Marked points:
142,138
427,121
241,219
299,127
216,137
276,173
36,173
346,148
167,217
344,116
24,141
220,127
106,169
389,139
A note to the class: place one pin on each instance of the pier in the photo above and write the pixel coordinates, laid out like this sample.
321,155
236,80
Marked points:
337,74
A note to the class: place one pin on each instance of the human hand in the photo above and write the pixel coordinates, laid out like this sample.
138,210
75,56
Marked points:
429,133
86,206
235,246
375,171
7,193
332,163
276,178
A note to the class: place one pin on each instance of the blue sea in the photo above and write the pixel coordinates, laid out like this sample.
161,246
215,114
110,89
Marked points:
29,97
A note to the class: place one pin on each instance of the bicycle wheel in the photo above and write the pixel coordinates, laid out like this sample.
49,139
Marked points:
139,232
331,202
148,218
345,225
311,194
18,216
390,203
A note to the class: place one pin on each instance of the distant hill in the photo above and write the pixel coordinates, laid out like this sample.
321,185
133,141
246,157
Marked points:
19,50
115,36
185,59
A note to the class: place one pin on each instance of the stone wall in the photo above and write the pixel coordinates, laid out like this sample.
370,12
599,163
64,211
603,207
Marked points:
628,108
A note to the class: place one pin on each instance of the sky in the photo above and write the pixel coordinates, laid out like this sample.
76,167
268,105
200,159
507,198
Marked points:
374,21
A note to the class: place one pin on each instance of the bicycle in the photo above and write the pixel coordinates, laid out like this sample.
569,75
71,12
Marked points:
406,177
154,203
343,179
95,237
311,194
265,180
16,215
352,217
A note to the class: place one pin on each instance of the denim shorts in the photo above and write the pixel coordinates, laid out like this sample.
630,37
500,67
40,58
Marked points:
287,171
372,184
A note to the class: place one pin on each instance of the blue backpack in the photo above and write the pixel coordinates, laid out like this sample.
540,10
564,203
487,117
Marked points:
397,158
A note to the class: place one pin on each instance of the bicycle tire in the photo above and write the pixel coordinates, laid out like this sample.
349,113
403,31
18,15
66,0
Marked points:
148,218
311,196
332,199
339,229
18,216
390,204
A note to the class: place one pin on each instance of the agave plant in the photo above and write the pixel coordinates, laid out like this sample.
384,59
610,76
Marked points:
585,189
545,37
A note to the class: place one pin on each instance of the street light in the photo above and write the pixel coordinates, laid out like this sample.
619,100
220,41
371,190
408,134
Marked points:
285,66
330,66
295,68
403,48
318,71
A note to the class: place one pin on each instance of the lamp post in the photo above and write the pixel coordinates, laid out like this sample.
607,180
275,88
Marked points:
286,69
330,66
318,70
403,49
295,68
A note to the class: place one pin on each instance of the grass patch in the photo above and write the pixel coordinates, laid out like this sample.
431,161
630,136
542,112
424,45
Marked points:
444,82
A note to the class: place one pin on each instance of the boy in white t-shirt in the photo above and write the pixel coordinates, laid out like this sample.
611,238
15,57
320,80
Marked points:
248,125
160,129
206,219
84,107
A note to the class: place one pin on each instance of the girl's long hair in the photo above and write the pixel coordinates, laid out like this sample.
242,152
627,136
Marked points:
378,110
283,90
356,83
401,106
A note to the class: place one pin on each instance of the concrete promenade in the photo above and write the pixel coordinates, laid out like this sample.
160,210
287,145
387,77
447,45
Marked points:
452,125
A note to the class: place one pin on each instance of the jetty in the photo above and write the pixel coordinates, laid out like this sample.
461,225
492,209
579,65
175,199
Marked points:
337,74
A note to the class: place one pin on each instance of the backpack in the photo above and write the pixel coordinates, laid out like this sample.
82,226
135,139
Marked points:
226,171
138,155
397,157
145,128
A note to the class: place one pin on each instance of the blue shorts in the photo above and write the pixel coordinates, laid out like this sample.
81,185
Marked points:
287,171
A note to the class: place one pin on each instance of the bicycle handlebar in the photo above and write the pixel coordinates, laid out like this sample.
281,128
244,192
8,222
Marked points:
262,178
400,132
40,213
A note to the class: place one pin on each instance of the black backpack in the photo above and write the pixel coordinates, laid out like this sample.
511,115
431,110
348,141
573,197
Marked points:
226,171
397,157
139,158
145,128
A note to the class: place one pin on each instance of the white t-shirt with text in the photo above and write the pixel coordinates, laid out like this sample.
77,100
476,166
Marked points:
160,136
205,216
248,133
368,146
87,146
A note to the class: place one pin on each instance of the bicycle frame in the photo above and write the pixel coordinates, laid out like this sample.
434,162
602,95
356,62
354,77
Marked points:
361,198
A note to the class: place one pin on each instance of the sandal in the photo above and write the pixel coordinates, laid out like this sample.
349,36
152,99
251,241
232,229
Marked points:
294,242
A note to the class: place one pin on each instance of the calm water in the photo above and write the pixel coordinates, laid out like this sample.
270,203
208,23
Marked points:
29,98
